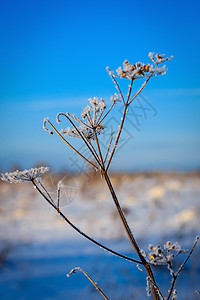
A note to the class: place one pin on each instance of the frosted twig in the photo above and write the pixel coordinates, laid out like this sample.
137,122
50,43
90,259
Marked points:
72,146
175,275
108,149
117,137
92,150
58,194
107,112
156,287
90,279
79,231
190,253
99,150
139,91
43,187
116,83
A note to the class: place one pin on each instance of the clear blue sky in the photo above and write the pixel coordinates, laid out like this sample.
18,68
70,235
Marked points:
53,56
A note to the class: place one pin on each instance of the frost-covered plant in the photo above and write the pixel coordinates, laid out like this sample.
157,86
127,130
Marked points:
89,127
24,176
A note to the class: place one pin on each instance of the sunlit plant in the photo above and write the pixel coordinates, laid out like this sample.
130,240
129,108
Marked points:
89,127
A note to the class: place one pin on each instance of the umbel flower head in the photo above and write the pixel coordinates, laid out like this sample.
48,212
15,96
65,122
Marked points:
24,176
159,255
91,119
141,70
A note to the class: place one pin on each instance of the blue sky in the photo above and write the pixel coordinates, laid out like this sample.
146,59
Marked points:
53,56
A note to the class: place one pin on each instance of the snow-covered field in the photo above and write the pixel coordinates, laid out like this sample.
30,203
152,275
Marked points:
38,248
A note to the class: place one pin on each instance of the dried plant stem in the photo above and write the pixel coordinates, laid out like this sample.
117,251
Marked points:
130,235
42,186
117,137
129,92
90,279
100,121
89,145
157,288
79,231
181,268
139,91
118,88
89,162
108,149
99,149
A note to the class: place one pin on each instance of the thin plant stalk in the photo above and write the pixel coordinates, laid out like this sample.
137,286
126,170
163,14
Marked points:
118,88
79,231
90,279
181,268
117,137
74,149
108,149
99,149
139,91
157,288
92,150
100,121
130,235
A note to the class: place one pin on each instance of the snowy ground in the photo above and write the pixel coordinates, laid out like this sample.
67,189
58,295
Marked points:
38,249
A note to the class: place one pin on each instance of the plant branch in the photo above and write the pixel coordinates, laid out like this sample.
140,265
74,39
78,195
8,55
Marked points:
181,268
90,279
117,137
129,92
42,186
172,286
108,149
106,113
90,147
99,149
118,88
139,91
130,235
157,288
122,121
73,147
79,231
183,264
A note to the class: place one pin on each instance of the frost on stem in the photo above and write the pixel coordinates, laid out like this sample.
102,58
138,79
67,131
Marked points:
65,195
148,287
115,98
90,120
44,126
24,176
174,294
159,58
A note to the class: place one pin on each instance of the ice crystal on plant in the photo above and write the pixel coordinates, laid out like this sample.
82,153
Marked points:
44,125
165,255
139,69
159,58
148,287
24,176
90,121
174,294
115,98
